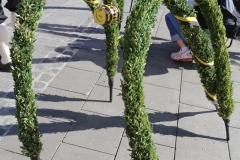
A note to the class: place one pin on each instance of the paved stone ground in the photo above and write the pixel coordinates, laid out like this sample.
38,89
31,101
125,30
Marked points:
76,119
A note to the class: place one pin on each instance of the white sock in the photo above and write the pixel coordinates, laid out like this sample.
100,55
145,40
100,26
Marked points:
184,48
4,48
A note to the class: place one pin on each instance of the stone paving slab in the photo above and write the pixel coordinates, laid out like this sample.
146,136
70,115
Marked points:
164,44
165,101
86,79
195,147
236,92
160,19
202,122
160,58
53,132
7,155
164,152
4,85
70,79
70,152
235,73
234,120
98,102
193,94
54,104
164,128
96,132
163,77
234,143
89,61
103,80
234,50
190,74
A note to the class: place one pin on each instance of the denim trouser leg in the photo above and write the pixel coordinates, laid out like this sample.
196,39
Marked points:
174,28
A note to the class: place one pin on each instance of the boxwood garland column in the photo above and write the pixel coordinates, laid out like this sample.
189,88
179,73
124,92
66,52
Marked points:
112,34
22,44
136,42
200,45
121,7
212,13
112,58
92,4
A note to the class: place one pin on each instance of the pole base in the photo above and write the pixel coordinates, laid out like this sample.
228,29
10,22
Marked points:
35,158
226,122
110,83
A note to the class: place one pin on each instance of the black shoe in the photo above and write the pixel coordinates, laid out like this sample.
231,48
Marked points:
5,67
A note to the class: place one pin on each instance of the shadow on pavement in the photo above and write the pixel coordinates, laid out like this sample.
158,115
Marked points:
235,58
72,8
96,121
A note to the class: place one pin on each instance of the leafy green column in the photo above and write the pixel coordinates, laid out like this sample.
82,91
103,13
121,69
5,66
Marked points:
136,42
92,4
202,52
112,58
30,12
121,7
112,34
212,12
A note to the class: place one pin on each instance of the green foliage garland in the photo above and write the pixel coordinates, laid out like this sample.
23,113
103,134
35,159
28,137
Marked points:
121,7
136,42
212,12
92,6
112,34
199,43
30,12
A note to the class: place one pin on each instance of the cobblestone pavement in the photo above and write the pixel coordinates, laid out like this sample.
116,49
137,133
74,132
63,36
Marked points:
45,68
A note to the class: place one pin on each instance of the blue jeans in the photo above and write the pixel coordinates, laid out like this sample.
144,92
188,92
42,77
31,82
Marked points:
174,28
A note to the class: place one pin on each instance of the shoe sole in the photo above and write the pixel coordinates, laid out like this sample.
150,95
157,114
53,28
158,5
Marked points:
183,60
4,70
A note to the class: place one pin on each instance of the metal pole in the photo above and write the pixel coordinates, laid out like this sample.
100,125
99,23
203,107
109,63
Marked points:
226,121
110,83
131,6
35,158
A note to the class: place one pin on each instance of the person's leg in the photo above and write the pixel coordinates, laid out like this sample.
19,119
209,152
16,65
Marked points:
12,6
4,48
175,32
13,20
2,15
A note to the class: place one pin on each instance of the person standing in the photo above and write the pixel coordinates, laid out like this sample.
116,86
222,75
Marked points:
11,5
176,36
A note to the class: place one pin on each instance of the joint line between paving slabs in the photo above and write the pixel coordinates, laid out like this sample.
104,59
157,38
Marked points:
119,145
66,49
160,21
74,119
229,152
175,150
53,11
62,140
11,151
88,148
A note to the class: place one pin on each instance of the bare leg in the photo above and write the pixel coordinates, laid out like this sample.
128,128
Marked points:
181,43
183,54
